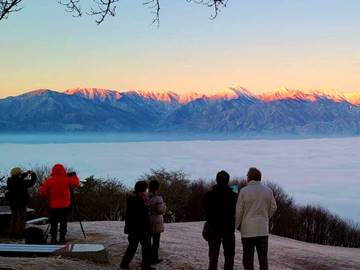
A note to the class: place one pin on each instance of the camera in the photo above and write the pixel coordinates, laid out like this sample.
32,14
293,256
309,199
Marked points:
70,174
26,174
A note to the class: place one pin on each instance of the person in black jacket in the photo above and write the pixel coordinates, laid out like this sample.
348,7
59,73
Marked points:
18,197
219,205
137,224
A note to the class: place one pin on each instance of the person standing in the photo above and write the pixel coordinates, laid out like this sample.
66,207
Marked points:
219,205
137,224
157,210
18,195
255,206
57,189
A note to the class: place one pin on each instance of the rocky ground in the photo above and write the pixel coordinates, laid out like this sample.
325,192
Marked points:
182,247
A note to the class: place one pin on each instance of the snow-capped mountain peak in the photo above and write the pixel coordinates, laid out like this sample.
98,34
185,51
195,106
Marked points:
95,93
228,93
39,92
285,93
164,96
333,95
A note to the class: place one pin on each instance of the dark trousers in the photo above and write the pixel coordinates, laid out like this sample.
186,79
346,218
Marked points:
261,245
134,240
155,244
228,241
58,215
18,220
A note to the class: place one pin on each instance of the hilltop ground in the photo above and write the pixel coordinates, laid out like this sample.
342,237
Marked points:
182,247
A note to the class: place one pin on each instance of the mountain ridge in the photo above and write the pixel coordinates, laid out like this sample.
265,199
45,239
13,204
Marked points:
230,93
230,110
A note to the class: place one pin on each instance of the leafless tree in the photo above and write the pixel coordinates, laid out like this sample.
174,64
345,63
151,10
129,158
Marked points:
72,6
7,7
105,8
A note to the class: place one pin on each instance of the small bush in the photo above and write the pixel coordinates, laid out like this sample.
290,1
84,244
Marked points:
98,199
174,187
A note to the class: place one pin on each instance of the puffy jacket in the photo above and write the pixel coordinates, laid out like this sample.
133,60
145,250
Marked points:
157,210
17,187
137,218
219,205
255,206
57,187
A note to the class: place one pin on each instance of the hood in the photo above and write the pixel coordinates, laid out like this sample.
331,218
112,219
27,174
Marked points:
58,170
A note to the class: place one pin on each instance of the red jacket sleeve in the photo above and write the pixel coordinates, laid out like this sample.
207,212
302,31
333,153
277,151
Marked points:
44,189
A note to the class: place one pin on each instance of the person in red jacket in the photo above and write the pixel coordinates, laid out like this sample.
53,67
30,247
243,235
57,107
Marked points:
56,189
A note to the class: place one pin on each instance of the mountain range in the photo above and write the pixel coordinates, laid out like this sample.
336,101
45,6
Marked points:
233,110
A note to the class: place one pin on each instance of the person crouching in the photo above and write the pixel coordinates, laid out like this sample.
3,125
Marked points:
57,190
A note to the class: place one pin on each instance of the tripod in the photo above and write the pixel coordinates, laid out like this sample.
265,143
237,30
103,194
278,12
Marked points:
75,208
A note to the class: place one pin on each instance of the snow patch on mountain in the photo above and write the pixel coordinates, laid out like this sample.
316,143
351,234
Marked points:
95,93
228,93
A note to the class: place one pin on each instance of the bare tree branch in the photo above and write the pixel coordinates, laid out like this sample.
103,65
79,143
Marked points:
154,5
72,6
7,7
216,4
104,8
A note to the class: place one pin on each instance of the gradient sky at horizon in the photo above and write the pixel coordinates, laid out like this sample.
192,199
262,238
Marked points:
260,45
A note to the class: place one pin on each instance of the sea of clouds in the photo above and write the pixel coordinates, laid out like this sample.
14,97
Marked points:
321,171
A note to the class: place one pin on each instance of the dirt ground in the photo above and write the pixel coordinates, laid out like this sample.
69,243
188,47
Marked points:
182,247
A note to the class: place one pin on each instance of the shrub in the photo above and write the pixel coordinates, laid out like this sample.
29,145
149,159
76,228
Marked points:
98,199
194,207
174,187
105,199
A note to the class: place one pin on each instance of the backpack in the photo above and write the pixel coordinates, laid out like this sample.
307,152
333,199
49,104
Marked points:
35,236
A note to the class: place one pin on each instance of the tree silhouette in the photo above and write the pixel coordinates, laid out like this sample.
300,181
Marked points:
102,9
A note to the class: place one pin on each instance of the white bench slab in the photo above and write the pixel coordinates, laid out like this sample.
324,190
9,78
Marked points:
93,252
6,211
38,221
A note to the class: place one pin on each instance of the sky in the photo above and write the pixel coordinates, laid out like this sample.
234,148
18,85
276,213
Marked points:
259,44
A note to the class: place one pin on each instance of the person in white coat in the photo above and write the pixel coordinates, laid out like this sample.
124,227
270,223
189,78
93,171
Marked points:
255,206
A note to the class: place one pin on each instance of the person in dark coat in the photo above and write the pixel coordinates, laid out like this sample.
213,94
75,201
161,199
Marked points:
18,196
137,224
219,205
